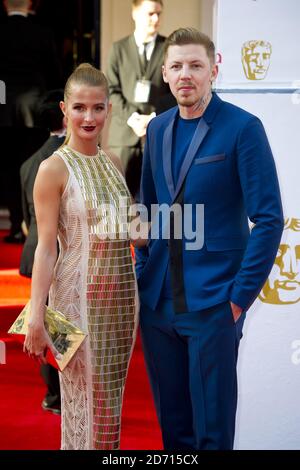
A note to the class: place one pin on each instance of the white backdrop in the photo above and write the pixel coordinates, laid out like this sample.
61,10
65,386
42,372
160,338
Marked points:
274,21
269,362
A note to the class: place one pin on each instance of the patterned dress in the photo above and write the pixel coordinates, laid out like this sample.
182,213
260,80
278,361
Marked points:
94,285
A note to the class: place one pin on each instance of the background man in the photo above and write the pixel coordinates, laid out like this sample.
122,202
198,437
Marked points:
193,302
29,66
136,86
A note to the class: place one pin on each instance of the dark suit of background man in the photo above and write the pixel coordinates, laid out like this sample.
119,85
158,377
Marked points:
136,86
52,118
194,295
29,66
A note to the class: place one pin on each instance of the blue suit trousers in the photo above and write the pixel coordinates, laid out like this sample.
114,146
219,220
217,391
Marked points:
191,361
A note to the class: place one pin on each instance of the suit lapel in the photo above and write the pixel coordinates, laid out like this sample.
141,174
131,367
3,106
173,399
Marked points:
156,58
199,135
201,131
134,53
167,153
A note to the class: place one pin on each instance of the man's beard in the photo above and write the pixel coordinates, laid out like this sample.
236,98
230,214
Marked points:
189,102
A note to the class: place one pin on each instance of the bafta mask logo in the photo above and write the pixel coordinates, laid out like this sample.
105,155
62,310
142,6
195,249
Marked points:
283,284
256,59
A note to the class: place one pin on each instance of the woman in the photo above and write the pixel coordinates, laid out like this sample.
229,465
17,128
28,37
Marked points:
81,195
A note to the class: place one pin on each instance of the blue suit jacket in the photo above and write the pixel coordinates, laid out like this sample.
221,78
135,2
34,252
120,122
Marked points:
230,169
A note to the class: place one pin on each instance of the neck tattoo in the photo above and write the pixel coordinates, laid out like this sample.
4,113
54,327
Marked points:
204,102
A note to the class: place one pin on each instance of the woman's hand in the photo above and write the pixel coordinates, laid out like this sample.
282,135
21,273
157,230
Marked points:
236,311
139,242
37,342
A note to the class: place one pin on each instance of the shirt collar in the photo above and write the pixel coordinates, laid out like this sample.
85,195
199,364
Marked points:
17,13
139,41
59,133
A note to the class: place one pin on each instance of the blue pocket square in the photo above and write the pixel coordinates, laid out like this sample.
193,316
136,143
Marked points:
211,158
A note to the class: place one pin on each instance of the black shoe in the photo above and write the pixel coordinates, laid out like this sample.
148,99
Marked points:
54,408
18,237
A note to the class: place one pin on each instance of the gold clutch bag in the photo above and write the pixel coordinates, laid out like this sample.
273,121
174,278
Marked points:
65,336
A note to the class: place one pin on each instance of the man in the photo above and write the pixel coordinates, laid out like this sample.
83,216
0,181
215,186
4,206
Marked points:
29,66
136,87
283,284
194,294
51,117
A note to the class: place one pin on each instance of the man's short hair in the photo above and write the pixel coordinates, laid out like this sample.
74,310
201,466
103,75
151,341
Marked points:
17,3
49,113
137,3
184,36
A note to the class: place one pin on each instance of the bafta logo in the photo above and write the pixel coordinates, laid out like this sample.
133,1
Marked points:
256,59
283,284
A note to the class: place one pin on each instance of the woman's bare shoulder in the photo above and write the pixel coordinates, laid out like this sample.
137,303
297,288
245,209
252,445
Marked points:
53,164
53,169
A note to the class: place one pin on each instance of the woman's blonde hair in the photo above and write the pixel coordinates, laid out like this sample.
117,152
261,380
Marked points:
85,74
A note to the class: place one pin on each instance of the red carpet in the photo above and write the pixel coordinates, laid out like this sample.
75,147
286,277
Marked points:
24,425
9,253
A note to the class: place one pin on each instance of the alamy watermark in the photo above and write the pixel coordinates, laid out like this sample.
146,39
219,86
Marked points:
2,92
176,222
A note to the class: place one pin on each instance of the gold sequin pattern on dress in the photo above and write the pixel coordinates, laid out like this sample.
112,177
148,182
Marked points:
110,289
